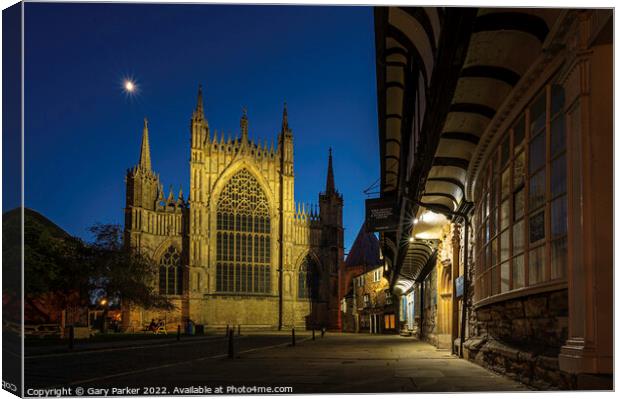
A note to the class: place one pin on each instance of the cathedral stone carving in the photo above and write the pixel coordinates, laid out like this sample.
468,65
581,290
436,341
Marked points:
218,251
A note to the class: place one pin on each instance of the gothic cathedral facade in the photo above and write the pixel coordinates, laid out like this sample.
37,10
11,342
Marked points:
239,249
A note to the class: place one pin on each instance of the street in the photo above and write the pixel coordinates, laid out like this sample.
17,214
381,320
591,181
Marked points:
338,363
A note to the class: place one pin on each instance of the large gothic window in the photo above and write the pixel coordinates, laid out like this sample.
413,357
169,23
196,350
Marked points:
170,273
308,279
243,237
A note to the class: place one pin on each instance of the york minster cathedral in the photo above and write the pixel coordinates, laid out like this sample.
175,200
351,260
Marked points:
238,249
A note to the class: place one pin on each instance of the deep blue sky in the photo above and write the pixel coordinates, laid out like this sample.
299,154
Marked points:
82,133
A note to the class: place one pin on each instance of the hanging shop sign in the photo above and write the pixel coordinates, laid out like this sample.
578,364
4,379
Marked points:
382,214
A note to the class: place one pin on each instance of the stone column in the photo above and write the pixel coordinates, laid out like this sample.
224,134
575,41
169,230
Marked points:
456,251
587,81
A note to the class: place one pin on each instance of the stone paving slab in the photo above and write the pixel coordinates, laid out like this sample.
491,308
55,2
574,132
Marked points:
339,363
366,363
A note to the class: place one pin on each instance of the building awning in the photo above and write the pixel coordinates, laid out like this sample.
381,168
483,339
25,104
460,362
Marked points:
504,44
419,257
445,77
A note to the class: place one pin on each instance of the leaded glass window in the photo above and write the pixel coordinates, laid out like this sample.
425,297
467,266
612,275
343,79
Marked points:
522,230
243,237
170,272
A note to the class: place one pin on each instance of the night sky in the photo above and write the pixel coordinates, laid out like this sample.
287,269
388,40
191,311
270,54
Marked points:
82,132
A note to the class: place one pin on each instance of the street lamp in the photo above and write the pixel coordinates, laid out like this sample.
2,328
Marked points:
104,322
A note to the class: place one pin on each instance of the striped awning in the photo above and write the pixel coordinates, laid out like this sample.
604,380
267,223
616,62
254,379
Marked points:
442,76
503,45
419,254
407,52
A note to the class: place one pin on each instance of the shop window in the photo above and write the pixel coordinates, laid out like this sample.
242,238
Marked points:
389,321
521,207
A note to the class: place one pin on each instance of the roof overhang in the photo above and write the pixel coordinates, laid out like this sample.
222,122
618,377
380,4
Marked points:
442,76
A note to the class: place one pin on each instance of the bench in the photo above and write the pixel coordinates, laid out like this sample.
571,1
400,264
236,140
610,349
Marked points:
158,330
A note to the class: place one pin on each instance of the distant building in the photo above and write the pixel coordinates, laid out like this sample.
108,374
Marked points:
365,255
238,249
374,307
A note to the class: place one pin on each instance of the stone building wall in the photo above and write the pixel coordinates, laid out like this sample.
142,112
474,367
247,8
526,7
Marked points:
235,176
522,338
378,303
428,331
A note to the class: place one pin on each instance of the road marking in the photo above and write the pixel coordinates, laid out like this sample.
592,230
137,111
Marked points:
122,348
163,366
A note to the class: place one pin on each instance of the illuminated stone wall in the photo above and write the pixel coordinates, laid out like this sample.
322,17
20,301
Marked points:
191,226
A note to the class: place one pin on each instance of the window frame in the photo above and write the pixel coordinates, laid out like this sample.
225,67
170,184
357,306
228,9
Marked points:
171,270
496,271
243,237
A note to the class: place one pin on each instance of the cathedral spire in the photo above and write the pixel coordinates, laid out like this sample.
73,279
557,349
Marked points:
330,187
285,119
199,113
180,196
145,150
170,196
160,192
244,126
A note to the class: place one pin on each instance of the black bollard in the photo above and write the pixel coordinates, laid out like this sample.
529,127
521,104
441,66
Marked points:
71,337
178,332
313,333
231,348
239,330
293,336
322,332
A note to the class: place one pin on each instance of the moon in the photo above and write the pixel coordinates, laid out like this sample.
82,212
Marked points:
129,86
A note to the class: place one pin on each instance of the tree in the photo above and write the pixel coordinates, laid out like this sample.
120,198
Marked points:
56,266
62,271
122,273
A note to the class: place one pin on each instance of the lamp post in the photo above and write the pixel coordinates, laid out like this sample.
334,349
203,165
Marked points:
104,322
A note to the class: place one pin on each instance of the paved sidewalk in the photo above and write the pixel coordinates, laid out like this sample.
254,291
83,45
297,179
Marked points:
338,363
372,363
341,363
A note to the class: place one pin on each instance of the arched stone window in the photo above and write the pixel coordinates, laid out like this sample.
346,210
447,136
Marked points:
243,252
308,279
170,272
